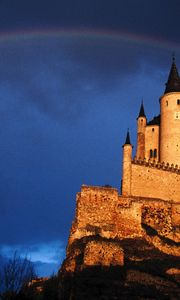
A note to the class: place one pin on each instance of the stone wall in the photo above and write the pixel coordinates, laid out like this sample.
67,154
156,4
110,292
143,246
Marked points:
176,215
103,253
100,210
141,127
114,238
152,140
157,216
170,128
151,182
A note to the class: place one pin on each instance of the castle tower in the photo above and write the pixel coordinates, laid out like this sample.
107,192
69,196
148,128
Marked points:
141,127
127,161
170,119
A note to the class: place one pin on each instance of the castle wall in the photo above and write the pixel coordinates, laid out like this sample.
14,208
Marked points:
103,253
176,215
126,170
102,211
170,128
152,141
141,127
154,183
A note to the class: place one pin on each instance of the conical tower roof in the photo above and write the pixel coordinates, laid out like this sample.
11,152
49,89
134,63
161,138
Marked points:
127,141
173,83
141,112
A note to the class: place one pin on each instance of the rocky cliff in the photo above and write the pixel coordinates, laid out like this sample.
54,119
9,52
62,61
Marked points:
121,248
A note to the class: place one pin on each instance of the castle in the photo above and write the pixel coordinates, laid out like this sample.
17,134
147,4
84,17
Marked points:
148,208
158,149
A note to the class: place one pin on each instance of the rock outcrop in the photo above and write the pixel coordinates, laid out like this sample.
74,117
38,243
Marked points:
99,268
121,248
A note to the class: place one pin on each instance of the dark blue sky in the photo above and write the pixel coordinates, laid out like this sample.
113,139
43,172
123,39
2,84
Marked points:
70,86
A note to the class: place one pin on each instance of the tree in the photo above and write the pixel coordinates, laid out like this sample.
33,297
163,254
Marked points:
14,275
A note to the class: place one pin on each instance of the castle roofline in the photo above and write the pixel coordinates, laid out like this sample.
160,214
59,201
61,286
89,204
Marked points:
127,141
173,83
154,121
141,111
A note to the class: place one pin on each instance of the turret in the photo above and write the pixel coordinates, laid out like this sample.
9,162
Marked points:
141,127
173,83
127,161
170,119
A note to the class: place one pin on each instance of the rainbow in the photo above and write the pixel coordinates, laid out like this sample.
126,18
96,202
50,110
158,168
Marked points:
91,34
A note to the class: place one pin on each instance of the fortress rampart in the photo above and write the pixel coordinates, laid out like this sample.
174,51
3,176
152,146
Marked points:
102,211
155,180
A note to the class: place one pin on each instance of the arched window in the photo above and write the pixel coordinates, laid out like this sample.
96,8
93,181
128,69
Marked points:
178,101
155,152
151,153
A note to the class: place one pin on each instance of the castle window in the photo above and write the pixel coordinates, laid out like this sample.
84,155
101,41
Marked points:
177,115
151,153
152,129
166,103
178,101
155,152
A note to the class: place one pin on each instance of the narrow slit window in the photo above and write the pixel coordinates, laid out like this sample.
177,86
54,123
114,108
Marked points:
151,153
178,101
155,153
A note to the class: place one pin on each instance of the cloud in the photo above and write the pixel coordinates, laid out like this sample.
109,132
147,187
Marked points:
46,269
47,258
60,77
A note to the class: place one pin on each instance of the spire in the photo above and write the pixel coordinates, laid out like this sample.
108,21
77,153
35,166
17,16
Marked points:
173,83
128,142
141,112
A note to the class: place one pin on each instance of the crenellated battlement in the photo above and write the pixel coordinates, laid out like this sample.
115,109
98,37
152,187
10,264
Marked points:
156,164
